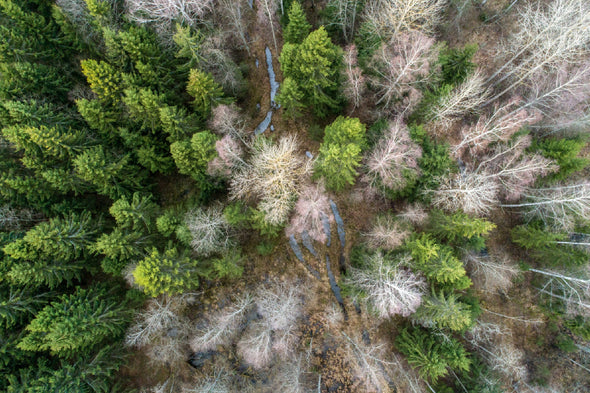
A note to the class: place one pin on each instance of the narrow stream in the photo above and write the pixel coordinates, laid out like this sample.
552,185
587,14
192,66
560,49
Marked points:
339,223
274,87
297,250
335,288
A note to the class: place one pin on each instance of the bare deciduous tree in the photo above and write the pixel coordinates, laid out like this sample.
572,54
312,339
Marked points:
234,12
209,229
399,67
354,80
273,175
499,126
222,326
229,156
390,289
491,272
279,306
160,316
561,96
548,36
343,15
165,12
465,98
414,214
573,290
369,364
313,203
393,156
12,219
471,192
255,346
386,233
515,170
217,60
162,329
267,12
226,120
392,17
291,376
559,206
220,382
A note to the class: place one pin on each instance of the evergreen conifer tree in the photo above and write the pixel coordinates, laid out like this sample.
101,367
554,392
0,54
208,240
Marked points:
75,323
431,354
192,157
298,27
458,226
168,272
315,66
444,311
437,262
290,98
110,175
120,247
205,91
138,213
340,153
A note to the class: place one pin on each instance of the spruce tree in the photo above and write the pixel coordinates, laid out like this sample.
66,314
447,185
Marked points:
168,272
19,304
565,152
437,262
445,311
432,354
191,157
458,226
138,213
290,97
104,80
110,175
120,247
205,91
315,66
340,153
298,27
90,373
75,323
33,80
548,247
64,238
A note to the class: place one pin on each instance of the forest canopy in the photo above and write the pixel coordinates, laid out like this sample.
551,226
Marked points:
294,196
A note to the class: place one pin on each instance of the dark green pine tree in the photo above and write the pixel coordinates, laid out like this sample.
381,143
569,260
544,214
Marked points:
110,175
445,311
138,213
168,272
298,27
92,373
437,262
119,248
548,247
458,226
340,153
431,354
75,323
315,66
